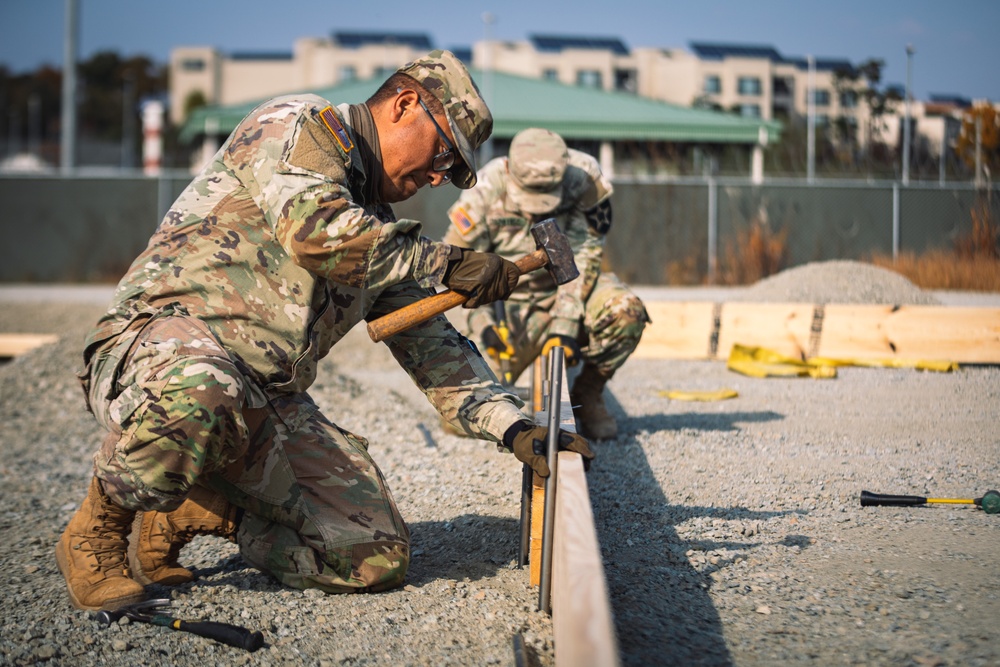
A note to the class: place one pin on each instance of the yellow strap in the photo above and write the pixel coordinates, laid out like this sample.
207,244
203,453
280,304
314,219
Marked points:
762,363
720,395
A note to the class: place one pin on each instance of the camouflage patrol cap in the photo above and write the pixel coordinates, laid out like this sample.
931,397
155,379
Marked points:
536,163
445,77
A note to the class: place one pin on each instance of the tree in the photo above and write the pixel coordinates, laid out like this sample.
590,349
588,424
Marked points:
985,114
865,81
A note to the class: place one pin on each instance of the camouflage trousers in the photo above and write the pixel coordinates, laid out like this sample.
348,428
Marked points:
613,322
317,511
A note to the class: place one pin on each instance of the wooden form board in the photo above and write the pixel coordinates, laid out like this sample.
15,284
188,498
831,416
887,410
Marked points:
582,624
702,330
12,345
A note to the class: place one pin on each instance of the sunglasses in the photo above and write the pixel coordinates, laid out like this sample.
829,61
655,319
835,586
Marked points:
444,161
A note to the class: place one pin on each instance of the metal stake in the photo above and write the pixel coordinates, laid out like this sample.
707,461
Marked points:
552,454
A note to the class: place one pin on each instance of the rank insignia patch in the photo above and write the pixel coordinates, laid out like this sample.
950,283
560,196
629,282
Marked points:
336,129
463,223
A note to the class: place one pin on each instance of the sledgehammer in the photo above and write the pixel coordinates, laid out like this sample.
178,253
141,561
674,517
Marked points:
150,612
552,252
990,502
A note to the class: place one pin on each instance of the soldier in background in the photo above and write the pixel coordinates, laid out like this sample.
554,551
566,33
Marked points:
200,368
596,318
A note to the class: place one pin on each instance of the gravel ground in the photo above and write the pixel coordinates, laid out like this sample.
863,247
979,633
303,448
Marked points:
731,531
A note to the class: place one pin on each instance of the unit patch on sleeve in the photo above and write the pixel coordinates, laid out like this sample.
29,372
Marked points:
338,131
463,223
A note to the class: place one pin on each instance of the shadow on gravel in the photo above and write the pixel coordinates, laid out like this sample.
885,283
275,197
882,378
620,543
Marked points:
467,548
663,612
698,421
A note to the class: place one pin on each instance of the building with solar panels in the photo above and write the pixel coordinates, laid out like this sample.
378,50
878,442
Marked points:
753,81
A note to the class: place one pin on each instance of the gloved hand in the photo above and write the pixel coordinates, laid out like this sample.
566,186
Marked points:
571,349
484,276
494,342
528,442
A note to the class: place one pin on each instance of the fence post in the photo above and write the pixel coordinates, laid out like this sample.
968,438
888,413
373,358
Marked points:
713,230
895,222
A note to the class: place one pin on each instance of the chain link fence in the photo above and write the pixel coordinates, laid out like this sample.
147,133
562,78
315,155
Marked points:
680,231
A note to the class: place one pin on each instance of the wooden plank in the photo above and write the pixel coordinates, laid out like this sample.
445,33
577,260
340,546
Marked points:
705,330
782,327
582,626
681,330
14,344
947,333
535,541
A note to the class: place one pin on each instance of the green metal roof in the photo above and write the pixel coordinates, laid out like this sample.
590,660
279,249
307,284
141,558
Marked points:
575,112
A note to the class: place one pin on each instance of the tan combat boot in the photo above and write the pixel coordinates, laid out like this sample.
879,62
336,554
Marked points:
592,416
157,537
91,554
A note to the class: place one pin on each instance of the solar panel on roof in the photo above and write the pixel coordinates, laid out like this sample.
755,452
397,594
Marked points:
554,43
357,39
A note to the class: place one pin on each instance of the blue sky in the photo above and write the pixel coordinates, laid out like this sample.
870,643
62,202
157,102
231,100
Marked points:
956,46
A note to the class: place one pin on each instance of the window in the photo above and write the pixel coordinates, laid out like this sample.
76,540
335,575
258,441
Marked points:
589,78
821,98
550,74
849,99
193,65
750,110
713,84
781,86
625,80
748,85
348,73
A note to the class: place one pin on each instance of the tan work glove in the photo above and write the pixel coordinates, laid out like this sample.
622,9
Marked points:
528,443
484,276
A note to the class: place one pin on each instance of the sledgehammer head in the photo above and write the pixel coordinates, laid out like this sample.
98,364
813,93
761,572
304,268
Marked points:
548,237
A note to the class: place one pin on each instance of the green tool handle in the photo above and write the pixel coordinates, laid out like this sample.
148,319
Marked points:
233,635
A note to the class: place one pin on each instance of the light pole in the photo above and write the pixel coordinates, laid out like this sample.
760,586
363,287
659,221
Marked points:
906,126
67,150
811,121
488,20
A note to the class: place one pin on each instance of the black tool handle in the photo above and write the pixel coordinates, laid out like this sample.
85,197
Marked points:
869,499
233,635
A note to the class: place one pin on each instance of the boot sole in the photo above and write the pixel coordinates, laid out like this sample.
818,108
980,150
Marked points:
109,605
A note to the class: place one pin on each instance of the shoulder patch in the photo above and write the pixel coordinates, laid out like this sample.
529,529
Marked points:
461,220
338,131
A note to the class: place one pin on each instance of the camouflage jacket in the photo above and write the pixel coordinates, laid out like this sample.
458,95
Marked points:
272,247
484,219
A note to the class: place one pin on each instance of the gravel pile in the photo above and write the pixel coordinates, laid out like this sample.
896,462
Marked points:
838,281
731,531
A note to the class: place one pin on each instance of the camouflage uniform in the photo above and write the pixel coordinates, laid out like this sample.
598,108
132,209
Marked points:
596,309
200,368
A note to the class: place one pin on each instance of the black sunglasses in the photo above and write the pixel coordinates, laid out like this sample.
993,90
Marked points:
444,161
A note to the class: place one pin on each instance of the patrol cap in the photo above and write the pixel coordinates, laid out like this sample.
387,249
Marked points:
536,163
445,77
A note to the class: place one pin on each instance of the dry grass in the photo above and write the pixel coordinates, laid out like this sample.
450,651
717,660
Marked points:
756,252
973,265
942,269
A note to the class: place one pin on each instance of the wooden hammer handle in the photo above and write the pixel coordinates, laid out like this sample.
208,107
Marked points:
426,308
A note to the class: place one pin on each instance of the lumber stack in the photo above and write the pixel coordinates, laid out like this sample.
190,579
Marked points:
13,344
705,330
